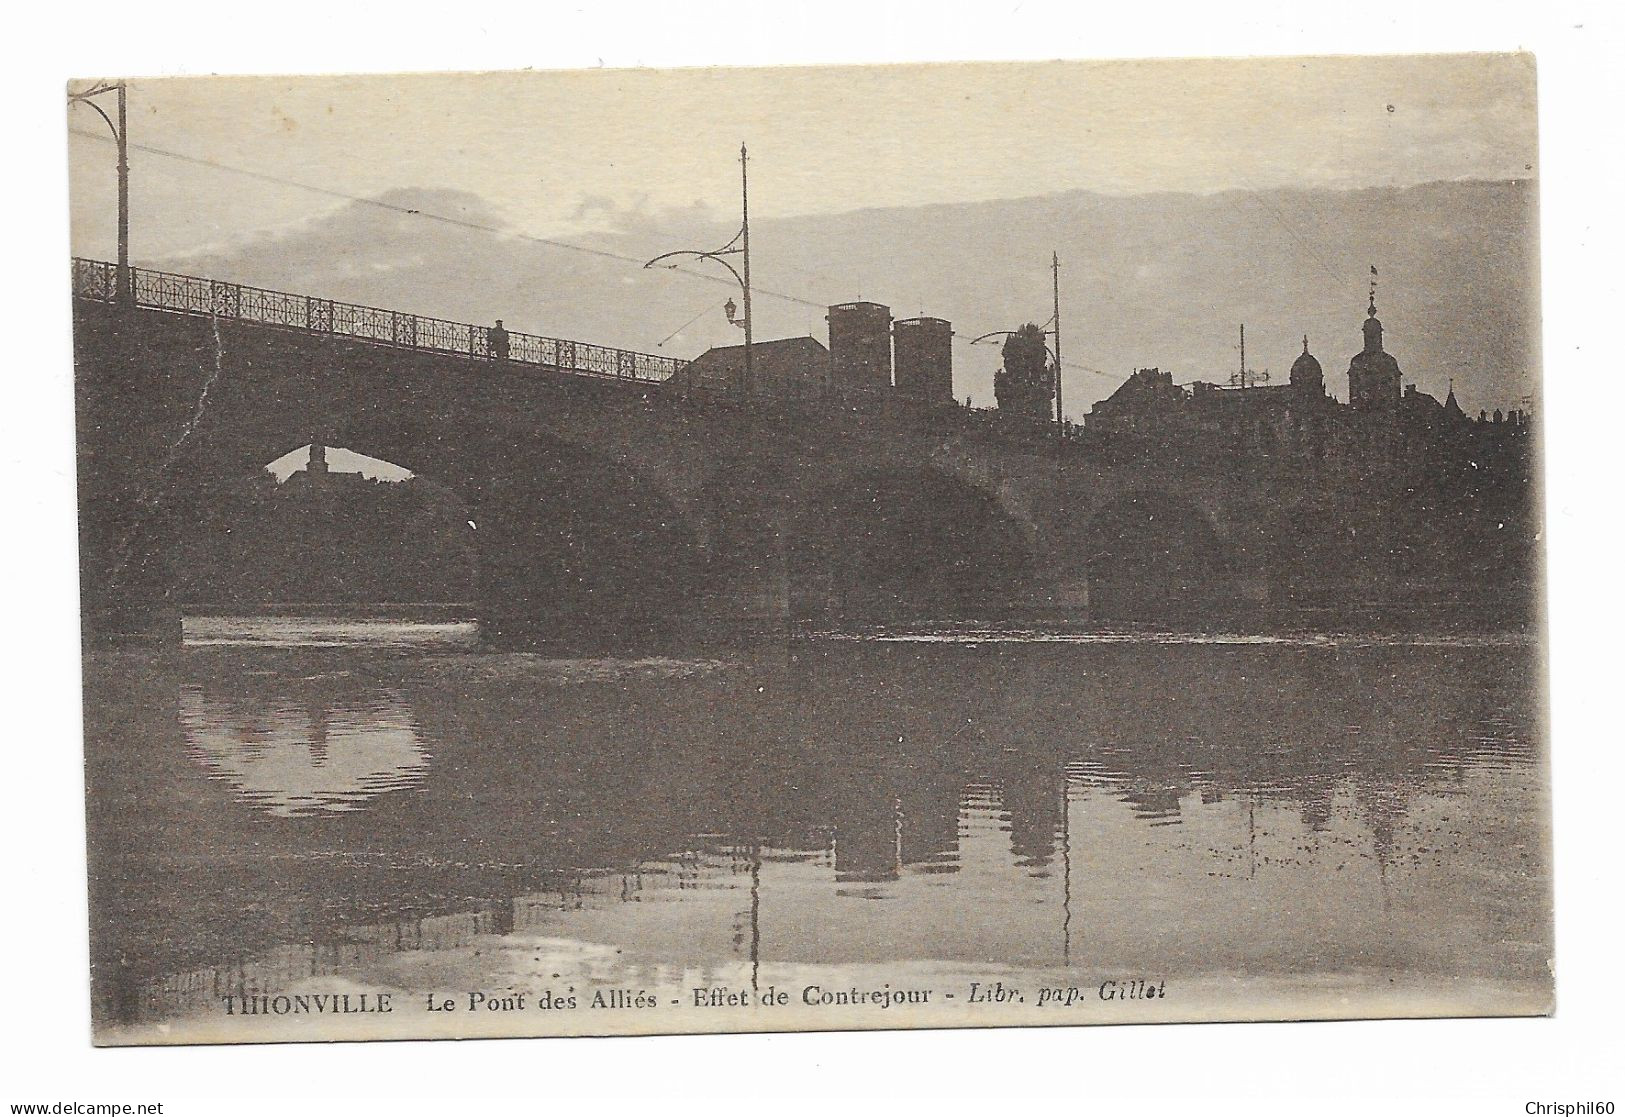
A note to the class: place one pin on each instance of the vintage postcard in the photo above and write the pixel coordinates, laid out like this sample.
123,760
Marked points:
812,548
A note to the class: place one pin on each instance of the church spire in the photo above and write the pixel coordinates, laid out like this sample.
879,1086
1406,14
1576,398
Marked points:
1374,376
1373,325
1451,406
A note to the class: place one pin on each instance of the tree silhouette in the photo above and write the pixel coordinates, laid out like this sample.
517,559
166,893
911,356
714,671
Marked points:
1025,385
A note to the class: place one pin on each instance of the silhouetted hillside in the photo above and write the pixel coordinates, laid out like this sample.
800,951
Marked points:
1152,279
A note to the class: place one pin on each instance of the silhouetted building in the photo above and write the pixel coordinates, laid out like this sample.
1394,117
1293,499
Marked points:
1306,375
1373,374
329,536
319,474
1298,417
1392,497
860,345
1292,418
923,360
788,367
1147,401
1452,408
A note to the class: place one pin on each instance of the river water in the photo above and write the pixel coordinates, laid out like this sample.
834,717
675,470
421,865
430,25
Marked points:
1253,827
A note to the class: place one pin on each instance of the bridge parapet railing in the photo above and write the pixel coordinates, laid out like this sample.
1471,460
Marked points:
97,280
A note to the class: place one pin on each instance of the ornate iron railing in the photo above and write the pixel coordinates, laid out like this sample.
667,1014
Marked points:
186,294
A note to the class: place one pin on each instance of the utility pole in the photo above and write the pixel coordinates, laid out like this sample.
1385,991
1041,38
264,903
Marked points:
125,289
1245,377
739,245
1055,267
744,210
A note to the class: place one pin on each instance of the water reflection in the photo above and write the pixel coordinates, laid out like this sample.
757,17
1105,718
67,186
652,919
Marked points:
327,632
305,752
1235,809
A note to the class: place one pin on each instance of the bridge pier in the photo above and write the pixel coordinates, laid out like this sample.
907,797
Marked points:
758,604
132,413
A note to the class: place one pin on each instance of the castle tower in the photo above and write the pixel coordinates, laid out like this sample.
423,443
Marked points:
923,358
1306,375
1374,378
860,345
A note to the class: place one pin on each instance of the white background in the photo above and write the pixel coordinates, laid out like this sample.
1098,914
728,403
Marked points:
1480,1067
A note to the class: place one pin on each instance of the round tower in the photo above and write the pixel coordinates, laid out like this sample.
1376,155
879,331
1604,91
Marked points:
923,358
860,345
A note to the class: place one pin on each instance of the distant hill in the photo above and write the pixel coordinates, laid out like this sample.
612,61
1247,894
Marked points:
1153,279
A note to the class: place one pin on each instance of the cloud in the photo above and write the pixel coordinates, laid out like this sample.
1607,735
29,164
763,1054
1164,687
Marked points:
385,230
602,213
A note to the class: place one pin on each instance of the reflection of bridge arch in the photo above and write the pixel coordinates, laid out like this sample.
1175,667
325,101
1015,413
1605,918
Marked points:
301,754
1151,555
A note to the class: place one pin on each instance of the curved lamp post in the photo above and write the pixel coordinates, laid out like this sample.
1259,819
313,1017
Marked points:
1053,352
125,292
738,246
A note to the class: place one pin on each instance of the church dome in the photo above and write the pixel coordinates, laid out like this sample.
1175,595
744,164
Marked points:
1306,370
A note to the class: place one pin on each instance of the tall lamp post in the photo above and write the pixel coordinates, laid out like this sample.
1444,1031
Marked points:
738,246
125,291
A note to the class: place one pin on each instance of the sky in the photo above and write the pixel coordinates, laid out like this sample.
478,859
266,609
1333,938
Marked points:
339,460
258,180
563,152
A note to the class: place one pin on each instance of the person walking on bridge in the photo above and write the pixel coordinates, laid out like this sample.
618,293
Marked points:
499,341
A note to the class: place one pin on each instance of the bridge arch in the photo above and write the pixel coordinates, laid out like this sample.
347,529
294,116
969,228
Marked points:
575,546
1152,555
888,542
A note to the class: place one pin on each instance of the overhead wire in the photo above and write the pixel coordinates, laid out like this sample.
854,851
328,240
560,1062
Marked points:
430,215
568,246
707,310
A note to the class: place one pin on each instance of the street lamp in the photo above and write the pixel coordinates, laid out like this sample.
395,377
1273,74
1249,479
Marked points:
125,291
738,246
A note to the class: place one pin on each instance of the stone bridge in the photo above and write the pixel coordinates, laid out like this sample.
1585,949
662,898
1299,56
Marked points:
607,508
